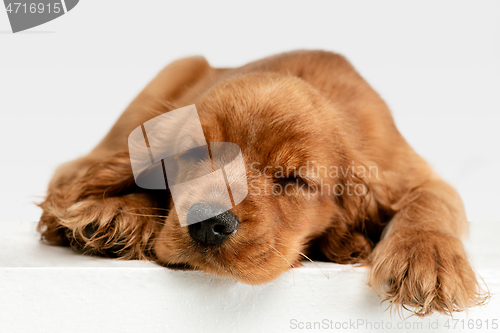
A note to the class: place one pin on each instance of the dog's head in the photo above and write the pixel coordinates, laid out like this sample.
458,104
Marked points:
290,138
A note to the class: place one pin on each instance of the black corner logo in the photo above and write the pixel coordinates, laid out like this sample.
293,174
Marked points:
28,14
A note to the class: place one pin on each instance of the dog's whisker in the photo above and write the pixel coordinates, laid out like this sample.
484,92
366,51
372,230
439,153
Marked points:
293,270
282,256
324,271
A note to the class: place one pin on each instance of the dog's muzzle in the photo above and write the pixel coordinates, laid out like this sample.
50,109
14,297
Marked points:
214,230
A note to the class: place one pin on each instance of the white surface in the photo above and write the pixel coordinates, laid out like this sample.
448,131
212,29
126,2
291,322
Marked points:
53,289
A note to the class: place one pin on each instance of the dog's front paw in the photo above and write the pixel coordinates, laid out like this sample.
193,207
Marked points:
426,271
114,227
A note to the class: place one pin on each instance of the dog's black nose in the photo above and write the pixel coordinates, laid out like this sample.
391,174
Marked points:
213,230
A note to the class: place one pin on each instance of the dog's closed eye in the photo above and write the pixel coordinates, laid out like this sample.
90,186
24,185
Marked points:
299,183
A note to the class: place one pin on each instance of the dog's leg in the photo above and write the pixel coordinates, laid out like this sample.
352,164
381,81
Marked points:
101,213
89,204
420,261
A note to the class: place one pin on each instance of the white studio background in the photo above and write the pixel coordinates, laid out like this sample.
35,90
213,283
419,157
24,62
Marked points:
436,63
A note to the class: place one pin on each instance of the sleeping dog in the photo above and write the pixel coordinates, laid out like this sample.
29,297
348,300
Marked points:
327,172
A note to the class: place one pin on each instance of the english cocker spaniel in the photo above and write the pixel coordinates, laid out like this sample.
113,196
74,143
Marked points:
327,173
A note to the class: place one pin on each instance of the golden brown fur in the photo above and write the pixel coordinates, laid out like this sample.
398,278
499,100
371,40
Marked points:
286,110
